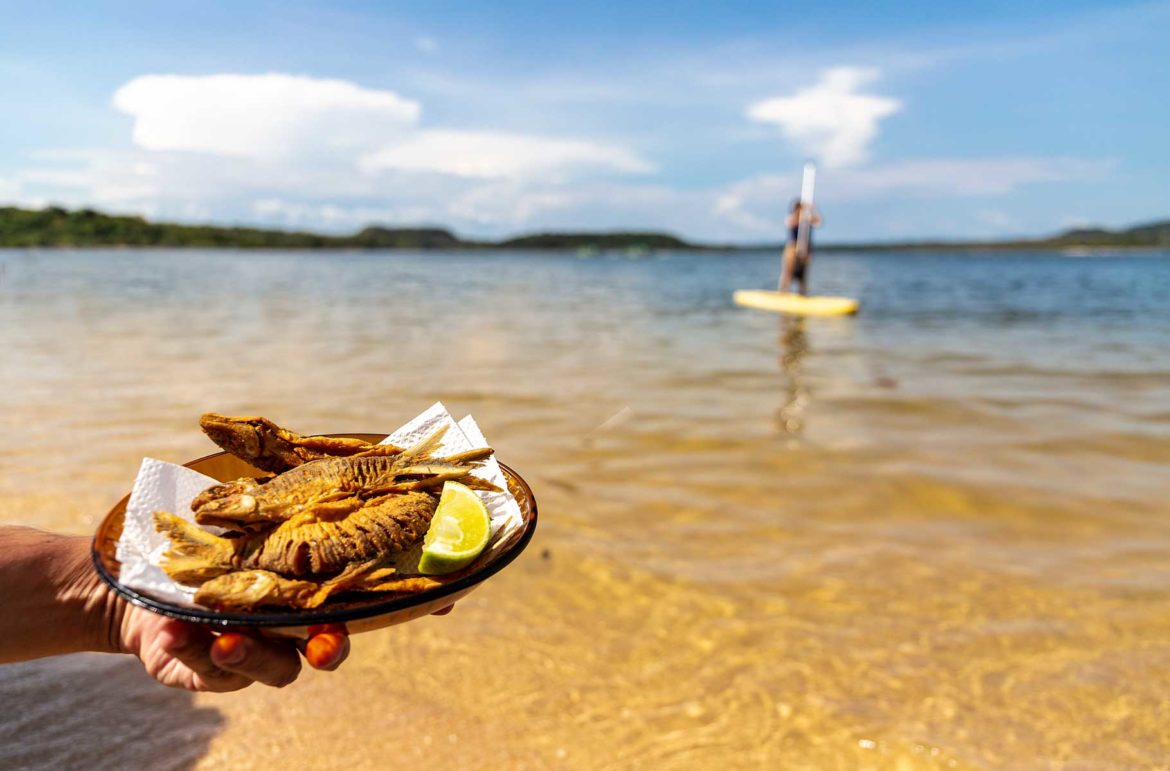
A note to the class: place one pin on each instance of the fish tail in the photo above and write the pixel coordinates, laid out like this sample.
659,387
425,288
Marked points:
427,447
470,455
195,554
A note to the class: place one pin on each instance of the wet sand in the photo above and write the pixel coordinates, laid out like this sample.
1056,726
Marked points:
898,541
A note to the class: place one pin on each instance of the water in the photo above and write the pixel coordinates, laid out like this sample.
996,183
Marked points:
933,535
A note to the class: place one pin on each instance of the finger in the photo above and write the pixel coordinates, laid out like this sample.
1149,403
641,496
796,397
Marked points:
191,646
265,661
445,610
327,650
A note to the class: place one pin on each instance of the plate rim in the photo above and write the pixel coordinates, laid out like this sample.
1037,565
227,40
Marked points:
315,617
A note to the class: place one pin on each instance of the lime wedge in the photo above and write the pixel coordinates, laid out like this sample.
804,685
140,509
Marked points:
458,533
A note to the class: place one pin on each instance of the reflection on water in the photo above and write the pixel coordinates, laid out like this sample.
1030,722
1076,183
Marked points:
797,396
961,563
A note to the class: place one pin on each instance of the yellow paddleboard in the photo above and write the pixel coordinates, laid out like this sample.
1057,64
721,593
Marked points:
796,304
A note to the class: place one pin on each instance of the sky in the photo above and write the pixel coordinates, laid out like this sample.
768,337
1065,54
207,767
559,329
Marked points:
926,120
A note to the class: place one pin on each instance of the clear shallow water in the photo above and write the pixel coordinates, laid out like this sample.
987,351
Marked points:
933,534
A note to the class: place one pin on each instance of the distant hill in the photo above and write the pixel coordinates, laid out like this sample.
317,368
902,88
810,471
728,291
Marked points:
597,241
1153,235
406,238
57,227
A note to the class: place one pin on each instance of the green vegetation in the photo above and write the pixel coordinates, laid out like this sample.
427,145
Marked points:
1155,235
597,241
57,227
403,238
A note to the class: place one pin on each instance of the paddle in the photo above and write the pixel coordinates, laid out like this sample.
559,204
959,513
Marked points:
804,226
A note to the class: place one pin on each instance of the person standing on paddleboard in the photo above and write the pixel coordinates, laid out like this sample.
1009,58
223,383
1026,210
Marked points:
797,255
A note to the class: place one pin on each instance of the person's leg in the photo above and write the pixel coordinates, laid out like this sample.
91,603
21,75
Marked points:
786,267
799,266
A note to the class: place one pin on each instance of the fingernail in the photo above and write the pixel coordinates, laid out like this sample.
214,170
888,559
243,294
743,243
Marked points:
230,649
325,650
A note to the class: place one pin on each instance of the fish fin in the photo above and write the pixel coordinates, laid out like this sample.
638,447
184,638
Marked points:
350,583
317,598
476,483
479,453
355,572
355,578
407,585
427,476
419,477
427,447
195,554
429,469
376,450
333,445
375,494
332,511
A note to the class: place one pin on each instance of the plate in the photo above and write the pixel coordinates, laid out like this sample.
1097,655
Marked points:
358,613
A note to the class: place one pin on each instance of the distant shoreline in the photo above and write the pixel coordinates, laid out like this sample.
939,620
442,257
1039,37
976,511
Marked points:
55,227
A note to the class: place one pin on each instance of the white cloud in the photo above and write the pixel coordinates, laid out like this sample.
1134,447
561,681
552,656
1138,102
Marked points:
260,116
832,120
285,123
10,189
322,154
297,163
428,45
487,155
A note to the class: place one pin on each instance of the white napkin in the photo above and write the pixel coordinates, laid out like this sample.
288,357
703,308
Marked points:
162,486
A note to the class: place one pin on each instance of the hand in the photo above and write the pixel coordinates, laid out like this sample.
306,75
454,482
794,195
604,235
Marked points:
183,655
49,583
189,656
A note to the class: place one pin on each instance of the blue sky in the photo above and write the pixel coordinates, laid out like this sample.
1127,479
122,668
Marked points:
935,120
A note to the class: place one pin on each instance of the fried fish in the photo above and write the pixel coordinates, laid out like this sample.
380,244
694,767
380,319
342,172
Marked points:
332,488
271,448
247,589
301,546
333,522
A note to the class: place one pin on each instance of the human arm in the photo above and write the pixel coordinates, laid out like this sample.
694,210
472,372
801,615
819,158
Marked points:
57,604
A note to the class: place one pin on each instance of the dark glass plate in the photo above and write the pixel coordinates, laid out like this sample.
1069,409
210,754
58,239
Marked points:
357,612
